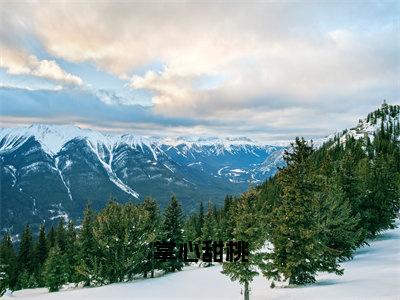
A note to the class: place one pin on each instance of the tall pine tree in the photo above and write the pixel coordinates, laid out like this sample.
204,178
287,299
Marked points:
25,258
172,231
87,247
55,271
248,221
153,230
298,253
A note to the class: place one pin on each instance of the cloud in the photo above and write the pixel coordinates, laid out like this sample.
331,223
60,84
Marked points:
280,67
18,62
24,106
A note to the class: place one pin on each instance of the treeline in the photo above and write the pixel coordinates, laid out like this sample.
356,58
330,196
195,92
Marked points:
328,202
111,246
308,218
114,245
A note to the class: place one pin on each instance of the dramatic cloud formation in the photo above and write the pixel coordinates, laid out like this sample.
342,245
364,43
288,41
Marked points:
277,68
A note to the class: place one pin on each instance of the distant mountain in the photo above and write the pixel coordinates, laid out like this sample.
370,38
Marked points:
52,171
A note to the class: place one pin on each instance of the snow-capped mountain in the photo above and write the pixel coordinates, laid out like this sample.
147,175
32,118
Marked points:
52,171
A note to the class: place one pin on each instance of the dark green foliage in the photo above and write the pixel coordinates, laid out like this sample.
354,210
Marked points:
227,222
26,280
86,247
209,227
4,280
194,224
61,236
379,195
40,253
247,221
327,202
41,247
189,228
295,232
25,258
71,251
8,265
149,264
340,230
55,271
312,225
200,222
121,233
172,230
51,238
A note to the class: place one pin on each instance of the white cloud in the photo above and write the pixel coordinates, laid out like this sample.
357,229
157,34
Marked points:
18,62
283,64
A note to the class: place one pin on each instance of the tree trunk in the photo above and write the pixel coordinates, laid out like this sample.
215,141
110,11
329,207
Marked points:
246,291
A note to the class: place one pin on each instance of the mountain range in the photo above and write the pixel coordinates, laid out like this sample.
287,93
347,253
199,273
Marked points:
53,171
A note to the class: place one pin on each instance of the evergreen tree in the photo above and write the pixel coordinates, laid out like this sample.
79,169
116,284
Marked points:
40,254
172,232
55,269
200,223
25,280
247,221
295,232
121,232
208,231
71,251
227,220
190,228
8,264
41,247
4,280
61,236
87,247
51,238
25,258
340,231
153,231
379,199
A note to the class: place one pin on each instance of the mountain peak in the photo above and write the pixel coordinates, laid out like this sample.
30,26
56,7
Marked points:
51,137
54,137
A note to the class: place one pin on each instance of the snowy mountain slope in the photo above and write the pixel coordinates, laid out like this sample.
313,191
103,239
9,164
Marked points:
373,274
52,170
384,117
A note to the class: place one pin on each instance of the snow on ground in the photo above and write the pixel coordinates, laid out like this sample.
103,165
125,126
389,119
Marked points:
374,273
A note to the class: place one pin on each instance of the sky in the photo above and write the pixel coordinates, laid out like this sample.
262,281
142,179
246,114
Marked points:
268,70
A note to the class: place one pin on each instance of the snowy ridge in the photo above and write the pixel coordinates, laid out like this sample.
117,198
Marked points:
272,161
365,127
230,158
208,141
53,137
